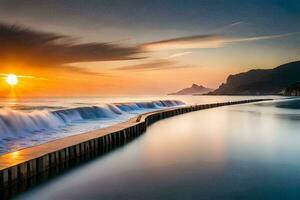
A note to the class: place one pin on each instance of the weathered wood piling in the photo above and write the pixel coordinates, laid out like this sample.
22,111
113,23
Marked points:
27,167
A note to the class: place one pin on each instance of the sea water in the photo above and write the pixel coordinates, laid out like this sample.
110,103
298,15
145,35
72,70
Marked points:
26,122
30,121
248,151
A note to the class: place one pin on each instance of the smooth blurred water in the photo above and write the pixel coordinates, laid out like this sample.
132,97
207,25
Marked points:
27,122
246,151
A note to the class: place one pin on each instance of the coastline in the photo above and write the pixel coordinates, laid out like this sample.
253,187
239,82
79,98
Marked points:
17,167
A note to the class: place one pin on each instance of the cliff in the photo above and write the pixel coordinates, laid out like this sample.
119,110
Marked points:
261,81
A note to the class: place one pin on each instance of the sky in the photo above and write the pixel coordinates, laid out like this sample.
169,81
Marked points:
141,47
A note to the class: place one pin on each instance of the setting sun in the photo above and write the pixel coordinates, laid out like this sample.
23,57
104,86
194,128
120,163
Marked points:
12,79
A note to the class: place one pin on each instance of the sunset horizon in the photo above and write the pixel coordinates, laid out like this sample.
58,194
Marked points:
149,99
87,50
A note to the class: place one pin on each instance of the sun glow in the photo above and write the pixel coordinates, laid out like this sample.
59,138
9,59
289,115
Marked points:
12,79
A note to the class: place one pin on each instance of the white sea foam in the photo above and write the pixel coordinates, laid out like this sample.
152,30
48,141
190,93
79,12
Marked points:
17,124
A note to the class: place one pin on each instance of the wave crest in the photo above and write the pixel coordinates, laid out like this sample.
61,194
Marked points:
17,123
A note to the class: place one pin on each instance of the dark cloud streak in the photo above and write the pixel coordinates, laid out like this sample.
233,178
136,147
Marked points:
153,65
44,50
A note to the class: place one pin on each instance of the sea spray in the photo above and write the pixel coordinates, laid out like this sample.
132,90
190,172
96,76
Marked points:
21,127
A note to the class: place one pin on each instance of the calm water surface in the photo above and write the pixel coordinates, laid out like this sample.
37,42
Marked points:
26,122
242,151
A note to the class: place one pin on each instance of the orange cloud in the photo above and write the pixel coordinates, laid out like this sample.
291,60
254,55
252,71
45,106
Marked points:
153,65
204,41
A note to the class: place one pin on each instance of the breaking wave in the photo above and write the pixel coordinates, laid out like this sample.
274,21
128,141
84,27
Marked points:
14,124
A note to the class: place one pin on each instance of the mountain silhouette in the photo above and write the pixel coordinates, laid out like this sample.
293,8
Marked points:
194,89
261,81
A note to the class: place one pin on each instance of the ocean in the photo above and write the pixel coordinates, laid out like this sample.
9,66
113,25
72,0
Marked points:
248,151
30,121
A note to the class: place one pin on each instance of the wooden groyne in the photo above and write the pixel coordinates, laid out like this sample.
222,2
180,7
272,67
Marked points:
24,168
